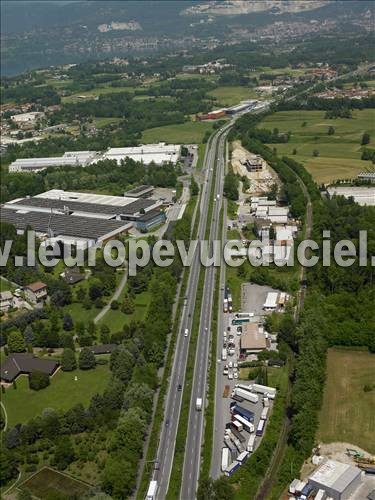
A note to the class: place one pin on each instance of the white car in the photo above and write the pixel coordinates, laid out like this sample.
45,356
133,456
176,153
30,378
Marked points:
230,376
235,365
230,364
235,375
186,333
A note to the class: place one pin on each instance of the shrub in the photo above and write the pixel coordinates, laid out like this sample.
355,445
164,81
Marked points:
38,380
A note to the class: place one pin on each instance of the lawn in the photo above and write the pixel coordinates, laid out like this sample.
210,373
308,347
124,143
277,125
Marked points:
91,94
116,319
339,154
103,122
80,313
231,95
348,413
64,392
50,483
4,285
183,133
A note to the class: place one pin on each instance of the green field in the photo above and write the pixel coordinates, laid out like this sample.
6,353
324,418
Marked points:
4,285
348,413
90,94
48,483
116,319
183,133
339,154
228,95
64,392
102,122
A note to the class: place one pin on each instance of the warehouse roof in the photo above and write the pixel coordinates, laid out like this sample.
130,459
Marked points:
83,227
251,337
150,215
139,190
335,475
271,300
78,206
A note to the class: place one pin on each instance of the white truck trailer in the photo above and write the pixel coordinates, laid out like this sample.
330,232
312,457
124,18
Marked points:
198,404
249,396
152,489
264,389
248,426
251,443
224,354
264,413
225,458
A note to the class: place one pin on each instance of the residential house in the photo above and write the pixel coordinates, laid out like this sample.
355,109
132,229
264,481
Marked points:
36,292
23,364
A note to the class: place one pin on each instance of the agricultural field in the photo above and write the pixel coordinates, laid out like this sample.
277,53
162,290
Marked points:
50,483
62,393
183,133
97,91
229,96
339,154
348,412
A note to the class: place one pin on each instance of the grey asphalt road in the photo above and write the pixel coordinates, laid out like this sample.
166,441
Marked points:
172,406
191,468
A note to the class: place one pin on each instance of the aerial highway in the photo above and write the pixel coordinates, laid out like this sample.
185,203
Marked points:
172,405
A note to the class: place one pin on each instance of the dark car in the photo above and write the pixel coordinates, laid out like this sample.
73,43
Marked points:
179,387
167,423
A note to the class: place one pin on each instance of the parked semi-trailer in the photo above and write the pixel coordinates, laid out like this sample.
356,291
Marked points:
246,414
230,303
237,425
264,414
249,396
231,447
151,492
260,428
225,456
234,440
248,426
242,457
232,468
266,402
251,443
241,438
263,389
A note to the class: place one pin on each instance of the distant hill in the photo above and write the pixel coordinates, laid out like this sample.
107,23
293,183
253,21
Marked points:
38,34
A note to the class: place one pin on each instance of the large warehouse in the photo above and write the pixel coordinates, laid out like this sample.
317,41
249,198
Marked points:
158,153
69,159
89,218
337,479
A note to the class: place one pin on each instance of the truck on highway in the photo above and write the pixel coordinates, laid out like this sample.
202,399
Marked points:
248,426
225,456
249,396
152,489
231,469
198,404
251,443
224,354
260,428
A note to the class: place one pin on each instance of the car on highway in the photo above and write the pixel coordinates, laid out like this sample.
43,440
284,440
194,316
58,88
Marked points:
167,423
186,333
179,387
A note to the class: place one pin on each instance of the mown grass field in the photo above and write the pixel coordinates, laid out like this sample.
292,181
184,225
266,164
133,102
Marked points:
63,392
339,154
183,133
348,413
230,95
4,285
99,90
50,483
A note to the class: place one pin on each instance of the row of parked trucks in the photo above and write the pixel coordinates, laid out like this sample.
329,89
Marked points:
237,445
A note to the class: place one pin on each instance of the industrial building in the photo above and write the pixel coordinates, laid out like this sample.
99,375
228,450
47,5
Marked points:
337,479
363,195
143,191
149,153
87,218
252,339
70,159
367,176
271,301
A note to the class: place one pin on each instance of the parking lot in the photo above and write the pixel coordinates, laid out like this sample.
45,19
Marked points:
253,297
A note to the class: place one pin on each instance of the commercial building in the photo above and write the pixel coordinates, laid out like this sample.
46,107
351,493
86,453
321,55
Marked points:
69,159
149,153
85,219
143,191
150,219
212,115
24,364
30,117
337,479
367,176
363,195
252,339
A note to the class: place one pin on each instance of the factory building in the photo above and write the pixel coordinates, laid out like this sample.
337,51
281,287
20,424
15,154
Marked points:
149,153
337,479
70,159
143,191
84,219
